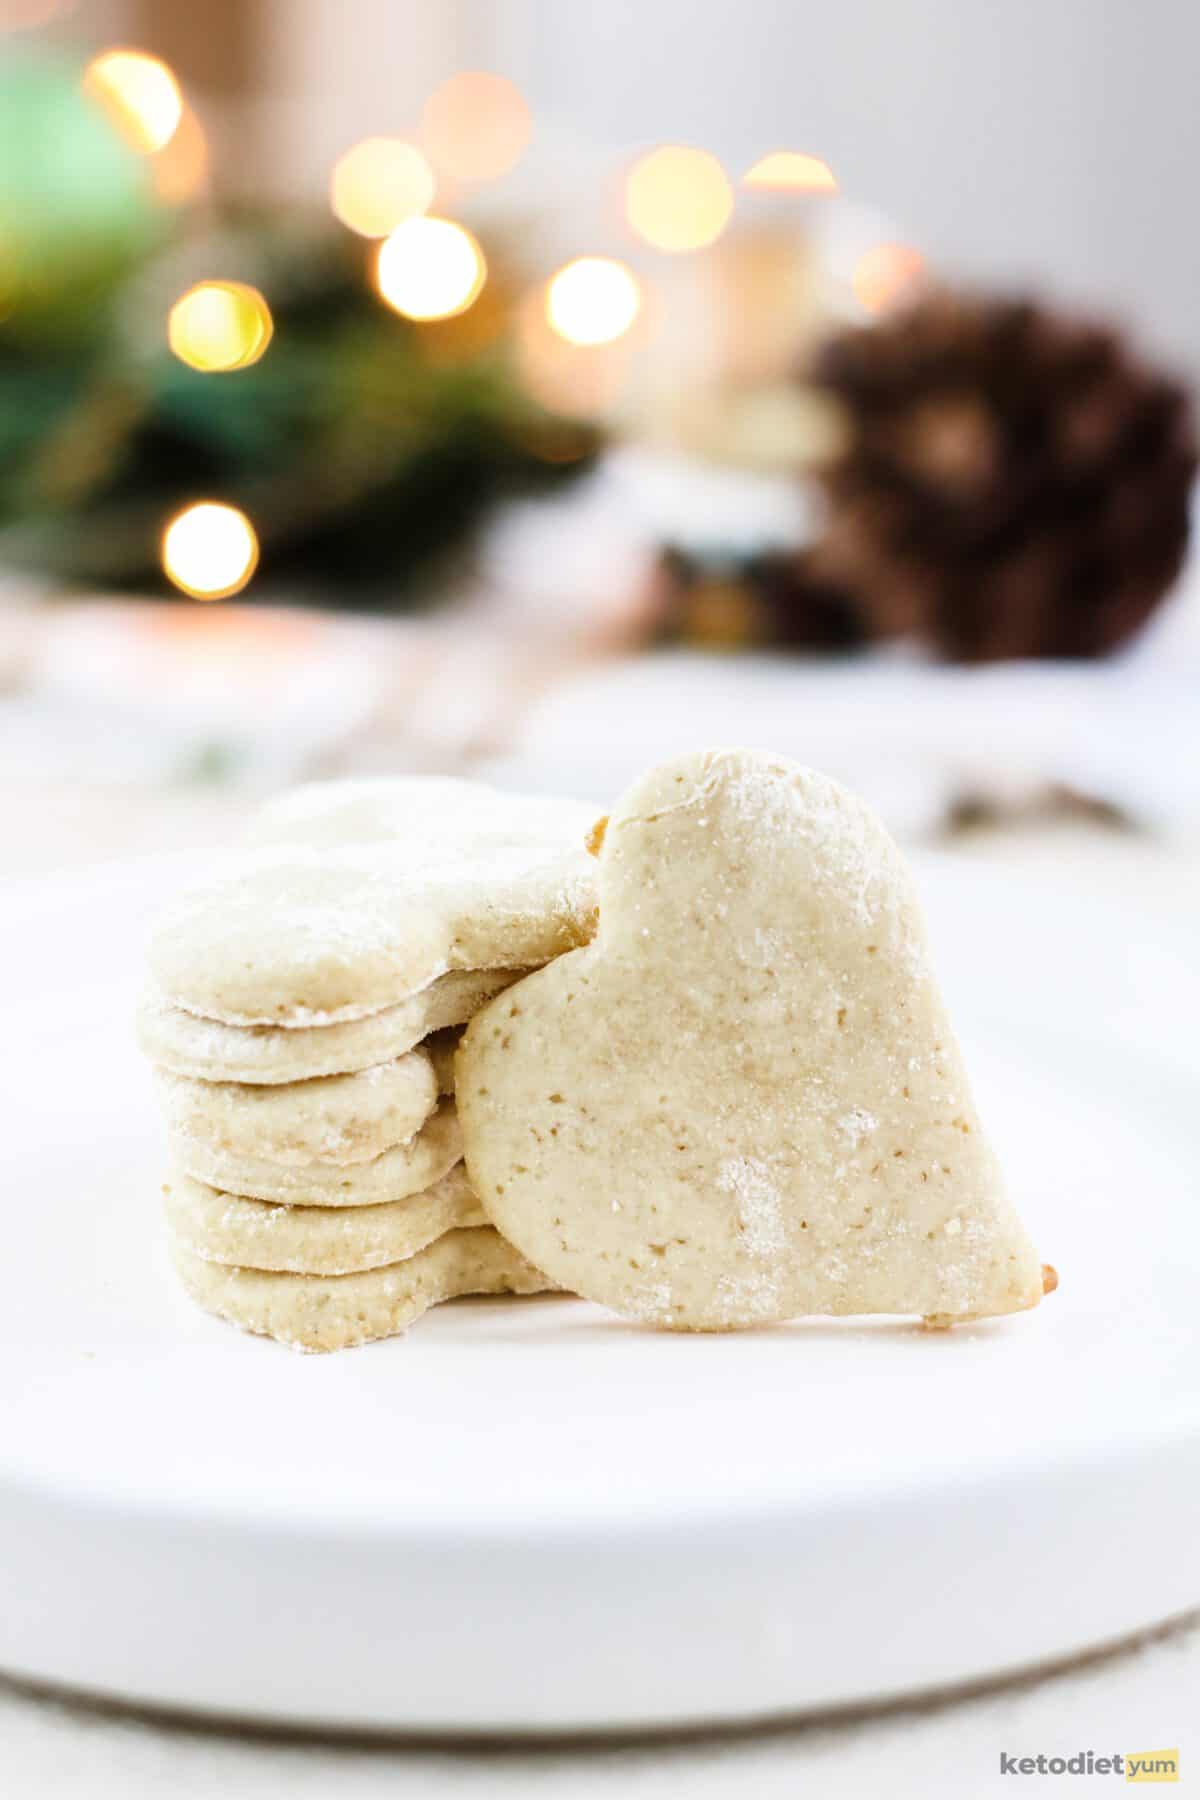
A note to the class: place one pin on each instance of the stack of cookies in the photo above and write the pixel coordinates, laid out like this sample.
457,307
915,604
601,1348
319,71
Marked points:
302,1018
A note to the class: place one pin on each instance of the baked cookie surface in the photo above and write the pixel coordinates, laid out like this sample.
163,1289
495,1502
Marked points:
406,1169
336,1312
359,895
743,1102
210,1050
330,1119
315,1240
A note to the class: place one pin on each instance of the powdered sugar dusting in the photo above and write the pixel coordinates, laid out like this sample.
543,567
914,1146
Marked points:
963,1274
858,1124
654,1305
849,852
759,1204
742,1297
833,1268
292,936
848,849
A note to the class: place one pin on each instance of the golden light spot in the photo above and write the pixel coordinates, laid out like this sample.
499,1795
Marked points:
209,550
139,94
476,126
887,275
430,269
593,300
791,171
220,325
578,381
179,170
380,183
678,198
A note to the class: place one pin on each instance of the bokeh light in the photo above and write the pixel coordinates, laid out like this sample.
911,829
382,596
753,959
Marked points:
476,126
593,300
678,198
139,94
379,183
577,381
209,550
791,171
220,325
887,275
430,269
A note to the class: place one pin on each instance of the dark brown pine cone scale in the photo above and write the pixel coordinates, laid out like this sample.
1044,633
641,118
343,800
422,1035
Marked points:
1014,483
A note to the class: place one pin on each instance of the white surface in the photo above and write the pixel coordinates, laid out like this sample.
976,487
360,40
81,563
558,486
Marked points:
531,1515
912,736
130,690
1141,1697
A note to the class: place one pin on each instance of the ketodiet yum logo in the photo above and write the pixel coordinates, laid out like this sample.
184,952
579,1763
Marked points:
1127,1765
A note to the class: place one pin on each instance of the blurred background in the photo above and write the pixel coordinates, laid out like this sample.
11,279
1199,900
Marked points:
536,391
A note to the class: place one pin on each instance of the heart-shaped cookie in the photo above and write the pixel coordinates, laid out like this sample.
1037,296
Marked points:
743,1101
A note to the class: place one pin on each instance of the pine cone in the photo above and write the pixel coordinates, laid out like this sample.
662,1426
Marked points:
1014,483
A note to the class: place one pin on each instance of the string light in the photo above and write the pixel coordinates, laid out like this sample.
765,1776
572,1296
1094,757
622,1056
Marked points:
430,269
678,198
476,126
886,275
379,183
220,325
210,551
139,94
791,171
593,300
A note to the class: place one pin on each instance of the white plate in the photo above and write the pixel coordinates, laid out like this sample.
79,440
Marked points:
529,1516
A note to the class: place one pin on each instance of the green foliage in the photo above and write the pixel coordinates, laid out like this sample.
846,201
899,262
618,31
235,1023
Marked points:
77,210
365,449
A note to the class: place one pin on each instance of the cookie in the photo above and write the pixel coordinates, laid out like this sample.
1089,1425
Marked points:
334,1312
300,936
744,1101
315,1240
399,1172
208,1050
332,1119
